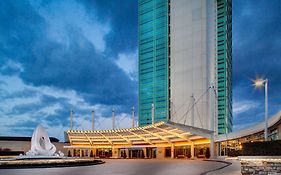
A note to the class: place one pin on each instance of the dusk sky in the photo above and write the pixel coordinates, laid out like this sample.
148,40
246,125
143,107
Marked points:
82,55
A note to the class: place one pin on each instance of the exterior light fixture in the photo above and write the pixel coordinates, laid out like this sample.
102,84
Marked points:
259,82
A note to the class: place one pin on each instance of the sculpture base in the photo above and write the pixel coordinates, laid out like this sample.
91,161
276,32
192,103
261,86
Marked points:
47,162
25,157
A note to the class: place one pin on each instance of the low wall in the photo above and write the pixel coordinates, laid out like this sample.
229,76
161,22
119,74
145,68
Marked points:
25,146
260,165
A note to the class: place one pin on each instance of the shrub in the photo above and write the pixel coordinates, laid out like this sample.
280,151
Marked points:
234,153
267,148
9,152
207,153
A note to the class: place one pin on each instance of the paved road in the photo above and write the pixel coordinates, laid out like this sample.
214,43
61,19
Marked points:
127,167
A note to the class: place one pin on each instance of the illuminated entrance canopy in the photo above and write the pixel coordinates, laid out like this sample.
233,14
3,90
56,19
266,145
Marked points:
158,135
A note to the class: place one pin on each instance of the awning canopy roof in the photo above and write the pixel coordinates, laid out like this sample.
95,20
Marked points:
146,136
251,130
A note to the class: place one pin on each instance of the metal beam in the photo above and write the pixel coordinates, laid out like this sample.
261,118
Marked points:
145,139
88,139
175,134
106,138
157,135
124,138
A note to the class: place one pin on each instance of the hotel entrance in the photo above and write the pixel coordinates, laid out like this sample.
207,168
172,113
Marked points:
151,153
136,153
104,153
182,151
141,153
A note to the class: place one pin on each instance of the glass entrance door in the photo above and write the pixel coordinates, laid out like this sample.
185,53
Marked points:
151,152
136,154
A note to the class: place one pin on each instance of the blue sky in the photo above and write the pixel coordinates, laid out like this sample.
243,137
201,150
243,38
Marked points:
82,55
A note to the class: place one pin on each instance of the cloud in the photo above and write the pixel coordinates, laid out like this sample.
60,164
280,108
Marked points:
82,55
256,49
60,48
243,106
62,56
11,67
25,106
244,126
122,15
128,62
258,43
60,15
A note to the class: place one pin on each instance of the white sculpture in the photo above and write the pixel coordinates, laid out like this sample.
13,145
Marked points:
41,144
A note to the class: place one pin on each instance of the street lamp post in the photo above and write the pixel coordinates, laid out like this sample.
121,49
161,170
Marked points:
259,83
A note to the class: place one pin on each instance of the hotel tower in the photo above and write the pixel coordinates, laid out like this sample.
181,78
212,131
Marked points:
185,63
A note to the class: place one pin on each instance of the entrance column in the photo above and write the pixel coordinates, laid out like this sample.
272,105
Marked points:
94,152
172,151
160,153
114,152
219,145
119,153
72,153
80,152
279,132
144,152
192,150
212,148
127,153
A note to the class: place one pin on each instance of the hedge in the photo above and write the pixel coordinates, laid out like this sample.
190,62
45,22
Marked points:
267,148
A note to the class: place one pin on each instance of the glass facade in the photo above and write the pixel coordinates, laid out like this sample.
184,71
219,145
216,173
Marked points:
224,65
153,41
154,59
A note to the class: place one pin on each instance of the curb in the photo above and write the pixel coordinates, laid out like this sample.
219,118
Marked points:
51,165
227,164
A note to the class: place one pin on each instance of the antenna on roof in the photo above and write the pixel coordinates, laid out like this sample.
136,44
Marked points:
133,116
93,119
113,118
71,118
152,113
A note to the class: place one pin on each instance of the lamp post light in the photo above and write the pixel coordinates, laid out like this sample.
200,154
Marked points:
260,83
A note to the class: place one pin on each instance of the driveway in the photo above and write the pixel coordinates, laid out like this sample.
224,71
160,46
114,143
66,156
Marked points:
127,167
